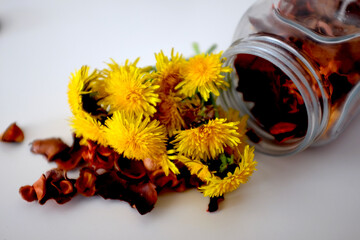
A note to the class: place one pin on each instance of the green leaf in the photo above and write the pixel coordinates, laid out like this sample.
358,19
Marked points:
196,48
224,164
211,49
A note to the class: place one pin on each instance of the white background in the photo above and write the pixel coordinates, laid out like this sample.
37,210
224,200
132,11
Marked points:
312,195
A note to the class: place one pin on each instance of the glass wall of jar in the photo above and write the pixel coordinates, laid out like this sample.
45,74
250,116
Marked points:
296,72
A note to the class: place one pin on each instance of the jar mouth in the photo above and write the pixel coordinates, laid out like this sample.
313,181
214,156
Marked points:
269,84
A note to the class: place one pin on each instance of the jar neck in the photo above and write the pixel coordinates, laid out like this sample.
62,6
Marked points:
300,71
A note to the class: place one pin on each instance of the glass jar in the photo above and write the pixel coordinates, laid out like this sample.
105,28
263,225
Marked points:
296,72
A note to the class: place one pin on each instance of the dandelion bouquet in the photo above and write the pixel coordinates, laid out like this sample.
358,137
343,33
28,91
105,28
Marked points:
140,131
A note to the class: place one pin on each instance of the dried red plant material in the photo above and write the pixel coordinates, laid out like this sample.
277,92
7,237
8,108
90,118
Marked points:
140,195
13,134
143,197
71,157
40,187
214,203
54,149
51,148
282,127
179,183
275,98
54,184
28,193
131,169
85,184
99,156
66,187
150,164
170,181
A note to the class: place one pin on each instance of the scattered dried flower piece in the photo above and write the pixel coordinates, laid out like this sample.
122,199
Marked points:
13,134
28,193
85,184
54,149
130,169
142,196
54,184
51,148
99,156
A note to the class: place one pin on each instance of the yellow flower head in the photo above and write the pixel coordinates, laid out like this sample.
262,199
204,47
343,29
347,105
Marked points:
167,73
203,73
163,160
78,84
169,112
233,115
129,90
208,140
135,137
196,168
88,128
217,186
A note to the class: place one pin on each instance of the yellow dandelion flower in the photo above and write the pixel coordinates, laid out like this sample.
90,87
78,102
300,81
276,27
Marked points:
217,186
114,66
128,90
167,73
208,140
203,73
108,73
135,137
89,128
169,112
197,168
233,115
166,164
78,85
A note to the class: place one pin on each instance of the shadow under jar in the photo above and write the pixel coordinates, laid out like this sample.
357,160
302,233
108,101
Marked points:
296,72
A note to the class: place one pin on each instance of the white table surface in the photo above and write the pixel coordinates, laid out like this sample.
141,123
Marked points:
312,195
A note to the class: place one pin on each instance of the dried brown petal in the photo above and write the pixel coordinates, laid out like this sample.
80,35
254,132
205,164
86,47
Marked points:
73,158
13,134
99,156
51,148
54,184
141,195
58,186
170,181
178,183
282,127
85,184
130,169
40,187
66,187
144,196
28,193
70,160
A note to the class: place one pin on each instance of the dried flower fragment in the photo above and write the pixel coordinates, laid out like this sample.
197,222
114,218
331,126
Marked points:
54,184
54,149
28,193
85,184
51,148
12,134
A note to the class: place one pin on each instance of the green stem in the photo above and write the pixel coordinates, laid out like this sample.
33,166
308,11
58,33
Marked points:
213,102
